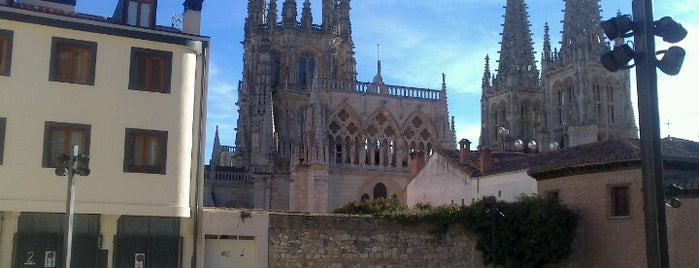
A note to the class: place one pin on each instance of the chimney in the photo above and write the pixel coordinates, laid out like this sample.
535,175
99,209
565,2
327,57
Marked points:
191,19
67,6
417,162
464,151
486,160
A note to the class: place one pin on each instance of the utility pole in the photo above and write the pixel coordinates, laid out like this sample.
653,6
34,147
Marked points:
649,123
70,166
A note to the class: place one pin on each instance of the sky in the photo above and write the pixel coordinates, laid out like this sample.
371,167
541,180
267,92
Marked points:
421,39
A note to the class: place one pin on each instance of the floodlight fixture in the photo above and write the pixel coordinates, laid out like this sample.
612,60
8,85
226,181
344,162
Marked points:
670,30
672,60
619,26
618,58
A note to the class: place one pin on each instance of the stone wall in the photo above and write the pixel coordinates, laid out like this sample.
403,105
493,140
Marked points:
340,241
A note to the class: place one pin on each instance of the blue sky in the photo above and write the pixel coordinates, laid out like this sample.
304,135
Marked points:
419,40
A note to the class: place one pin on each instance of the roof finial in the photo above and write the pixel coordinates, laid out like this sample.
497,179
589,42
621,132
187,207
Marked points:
378,79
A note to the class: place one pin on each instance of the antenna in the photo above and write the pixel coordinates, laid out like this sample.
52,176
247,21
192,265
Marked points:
177,21
668,123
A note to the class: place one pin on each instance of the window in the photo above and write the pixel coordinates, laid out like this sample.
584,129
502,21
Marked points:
140,13
553,195
2,137
380,191
73,61
60,138
145,151
5,52
306,70
150,70
620,201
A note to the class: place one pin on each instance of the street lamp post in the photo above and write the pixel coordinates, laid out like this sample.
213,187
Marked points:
644,30
70,166
649,124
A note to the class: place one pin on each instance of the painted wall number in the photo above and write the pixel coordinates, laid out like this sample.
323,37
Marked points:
29,258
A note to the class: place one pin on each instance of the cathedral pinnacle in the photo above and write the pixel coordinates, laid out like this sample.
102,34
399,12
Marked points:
486,73
517,66
306,15
289,14
272,14
378,79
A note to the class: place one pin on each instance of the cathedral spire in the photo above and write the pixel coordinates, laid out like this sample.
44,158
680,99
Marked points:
289,14
306,15
582,34
517,67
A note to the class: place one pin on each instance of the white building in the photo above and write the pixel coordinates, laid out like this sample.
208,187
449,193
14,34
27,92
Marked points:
462,177
131,95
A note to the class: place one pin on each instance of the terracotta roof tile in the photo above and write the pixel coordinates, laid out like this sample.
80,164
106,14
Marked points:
610,151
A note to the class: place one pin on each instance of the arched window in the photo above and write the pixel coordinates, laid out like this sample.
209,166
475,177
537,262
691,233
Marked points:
365,197
380,191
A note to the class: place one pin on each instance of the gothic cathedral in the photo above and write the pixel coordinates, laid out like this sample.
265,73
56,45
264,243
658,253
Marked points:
310,137
574,101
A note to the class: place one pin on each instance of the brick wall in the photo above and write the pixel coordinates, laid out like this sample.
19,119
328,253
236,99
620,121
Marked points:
338,241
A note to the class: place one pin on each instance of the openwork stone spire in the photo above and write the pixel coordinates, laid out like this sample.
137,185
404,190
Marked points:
582,31
517,66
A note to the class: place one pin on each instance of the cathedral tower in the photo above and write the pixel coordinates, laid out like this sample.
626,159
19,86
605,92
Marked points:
309,134
584,102
511,100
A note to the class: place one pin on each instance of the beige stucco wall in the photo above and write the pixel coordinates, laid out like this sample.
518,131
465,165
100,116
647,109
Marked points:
219,222
505,186
440,182
599,243
604,241
28,99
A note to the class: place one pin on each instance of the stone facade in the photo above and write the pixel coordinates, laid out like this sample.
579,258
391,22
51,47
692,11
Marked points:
339,241
575,101
302,240
309,135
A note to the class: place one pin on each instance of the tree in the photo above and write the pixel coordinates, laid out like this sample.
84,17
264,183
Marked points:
530,232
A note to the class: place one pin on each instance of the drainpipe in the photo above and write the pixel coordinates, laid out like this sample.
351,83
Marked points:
202,50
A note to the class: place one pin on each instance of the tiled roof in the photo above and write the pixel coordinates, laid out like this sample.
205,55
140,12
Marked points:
621,152
617,151
502,162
